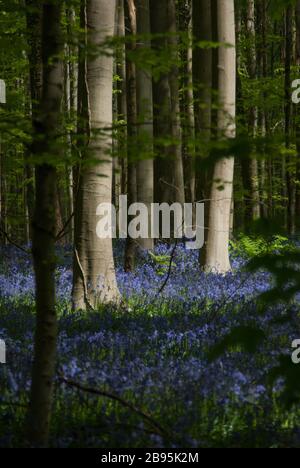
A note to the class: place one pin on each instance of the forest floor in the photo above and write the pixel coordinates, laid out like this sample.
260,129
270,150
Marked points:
155,356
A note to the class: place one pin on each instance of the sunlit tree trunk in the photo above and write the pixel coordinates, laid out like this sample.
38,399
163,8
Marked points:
217,255
94,269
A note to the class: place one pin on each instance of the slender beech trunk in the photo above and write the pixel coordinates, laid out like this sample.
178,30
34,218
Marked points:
176,132
71,90
264,120
266,168
217,255
94,269
298,112
252,117
203,84
290,162
130,13
46,127
34,32
168,165
122,98
144,168
187,104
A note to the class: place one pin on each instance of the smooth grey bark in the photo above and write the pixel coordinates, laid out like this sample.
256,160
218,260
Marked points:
94,270
217,247
187,103
46,127
144,167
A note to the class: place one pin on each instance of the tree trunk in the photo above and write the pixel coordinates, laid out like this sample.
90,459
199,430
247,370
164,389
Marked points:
71,89
144,168
168,165
176,132
94,269
187,104
290,162
298,112
252,117
130,10
34,33
44,228
122,98
217,255
203,84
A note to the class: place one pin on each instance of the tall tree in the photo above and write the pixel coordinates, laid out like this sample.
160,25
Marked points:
290,176
203,83
46,125
250,165
122,96
217,247
34,32
144,168
266,168
187,101
130,13
168,165
297,111
176,132
94,270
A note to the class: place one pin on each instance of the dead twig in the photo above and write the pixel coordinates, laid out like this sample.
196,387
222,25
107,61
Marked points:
169,270
111,396
63,232
10,241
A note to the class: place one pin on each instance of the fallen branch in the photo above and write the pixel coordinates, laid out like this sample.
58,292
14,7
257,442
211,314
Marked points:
10,241
111,396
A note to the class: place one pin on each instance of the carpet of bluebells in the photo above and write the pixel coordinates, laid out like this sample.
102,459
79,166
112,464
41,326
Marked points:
153,353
